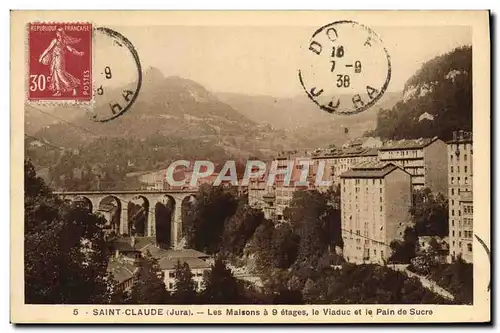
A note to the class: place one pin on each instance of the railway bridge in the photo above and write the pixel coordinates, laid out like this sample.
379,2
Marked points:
122,213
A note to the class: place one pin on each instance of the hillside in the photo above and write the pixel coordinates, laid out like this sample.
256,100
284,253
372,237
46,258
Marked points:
176,118
170,107
437,100
303,121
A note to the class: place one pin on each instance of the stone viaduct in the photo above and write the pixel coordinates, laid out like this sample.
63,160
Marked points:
170,198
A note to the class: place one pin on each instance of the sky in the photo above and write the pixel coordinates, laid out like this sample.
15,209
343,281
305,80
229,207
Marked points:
264,60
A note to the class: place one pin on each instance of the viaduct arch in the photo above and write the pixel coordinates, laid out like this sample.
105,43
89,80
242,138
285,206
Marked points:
171,198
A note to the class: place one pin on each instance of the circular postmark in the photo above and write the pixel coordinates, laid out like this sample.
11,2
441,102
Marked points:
117,75
346,68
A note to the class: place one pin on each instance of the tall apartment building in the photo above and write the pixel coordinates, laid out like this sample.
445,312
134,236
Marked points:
284,192
460,198
424,159
338,161
275,198
375,202
261,195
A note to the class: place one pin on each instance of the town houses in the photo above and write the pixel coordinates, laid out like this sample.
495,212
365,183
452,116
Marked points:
376,180
130,251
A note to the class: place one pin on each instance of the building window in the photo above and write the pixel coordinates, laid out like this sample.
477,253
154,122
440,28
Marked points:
452,223
460,244
453,235
453,246
380,208
469,247
451,169
452,202
380,190
452,191
460,235
452,180
170,285
459,212
465,168
380,181
466,181
451,157
458,180
452,212
465,157
458,168
171,274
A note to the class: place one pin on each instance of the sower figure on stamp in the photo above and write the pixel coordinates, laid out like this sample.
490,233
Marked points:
60,80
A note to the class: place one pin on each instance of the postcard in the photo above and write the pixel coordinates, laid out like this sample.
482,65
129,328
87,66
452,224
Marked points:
250,167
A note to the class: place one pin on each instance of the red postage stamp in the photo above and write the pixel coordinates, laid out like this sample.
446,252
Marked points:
60,62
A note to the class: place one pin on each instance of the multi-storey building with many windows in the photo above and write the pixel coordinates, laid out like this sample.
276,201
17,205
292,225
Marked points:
424,159
375,203
337,161
460,198
273,198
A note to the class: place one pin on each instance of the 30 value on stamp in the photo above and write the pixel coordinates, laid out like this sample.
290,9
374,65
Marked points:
346,68
60,61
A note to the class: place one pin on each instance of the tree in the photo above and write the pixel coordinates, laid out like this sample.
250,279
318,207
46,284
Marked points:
65,255
315,220
149,287
205,224
240,227
372,284
262,246
430,213
287,296
311,292
443,88
284,246
221,287
185,290
403,251
457,278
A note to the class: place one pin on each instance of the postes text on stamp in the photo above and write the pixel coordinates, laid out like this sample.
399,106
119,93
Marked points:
346,68
60,62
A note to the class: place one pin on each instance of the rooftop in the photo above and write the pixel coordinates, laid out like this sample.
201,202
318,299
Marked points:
370,170
407,143
461,137
346,152
194,263
144,244
121,271
125,243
